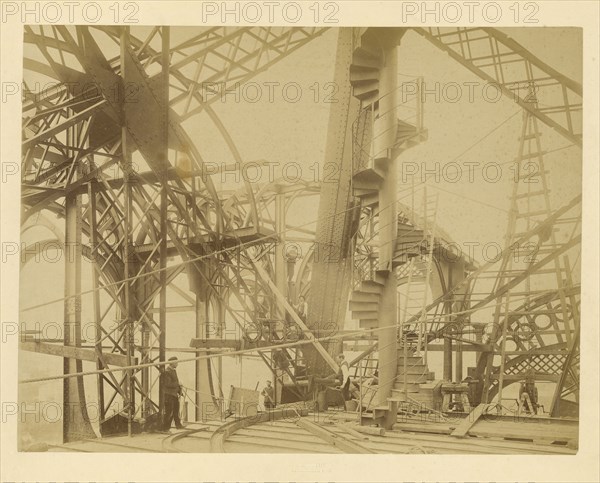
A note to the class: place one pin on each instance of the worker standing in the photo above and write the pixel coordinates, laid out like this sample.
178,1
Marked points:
344,375
528,393
268,393
172,389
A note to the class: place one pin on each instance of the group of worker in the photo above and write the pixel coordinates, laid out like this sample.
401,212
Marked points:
172,390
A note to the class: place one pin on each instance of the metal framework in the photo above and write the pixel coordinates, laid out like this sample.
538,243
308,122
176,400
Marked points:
122,97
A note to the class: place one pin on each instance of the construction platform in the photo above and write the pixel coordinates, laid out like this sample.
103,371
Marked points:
337,432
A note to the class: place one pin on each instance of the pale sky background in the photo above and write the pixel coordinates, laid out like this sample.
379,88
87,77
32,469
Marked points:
283,132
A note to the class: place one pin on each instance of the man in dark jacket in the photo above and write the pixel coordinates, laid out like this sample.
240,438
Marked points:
171,392
268,393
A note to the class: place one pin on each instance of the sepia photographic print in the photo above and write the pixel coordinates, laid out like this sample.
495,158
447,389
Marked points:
264,228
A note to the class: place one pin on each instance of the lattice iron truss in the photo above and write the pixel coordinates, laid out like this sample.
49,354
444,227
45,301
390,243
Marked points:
119,94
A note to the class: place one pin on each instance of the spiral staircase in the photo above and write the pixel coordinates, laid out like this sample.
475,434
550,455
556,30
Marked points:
373,161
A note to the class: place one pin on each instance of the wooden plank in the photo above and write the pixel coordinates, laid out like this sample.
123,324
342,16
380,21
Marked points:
217,440
335,439
279,438
307,332
525,432
351,430
168,443
71,352
496,445
424,429
206,344
216,344
463,428
366,430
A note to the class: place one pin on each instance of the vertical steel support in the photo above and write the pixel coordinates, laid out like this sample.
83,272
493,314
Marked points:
164,154
458,370
96,295
331,266
570,364
387,339
384,136
447,367
280,263
447,359
127,254
200,366
76,423
200,310
146,354
360,393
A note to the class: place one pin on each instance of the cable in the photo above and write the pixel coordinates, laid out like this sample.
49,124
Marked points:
195,259
359,333
266,237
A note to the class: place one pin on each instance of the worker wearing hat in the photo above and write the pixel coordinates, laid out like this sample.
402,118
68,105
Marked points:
171,392
528,393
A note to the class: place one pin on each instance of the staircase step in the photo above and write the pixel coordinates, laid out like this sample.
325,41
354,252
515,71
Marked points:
366,49
366,195
397,262
418,369
356,305
401,398
411,388
404,126
365,314
364,89
368,199
366,185
359,296
409,235
371,100
367,91
368,178
371,286
401,259
361,73
408,251
412,359
409,245
383,158
409,239
412,378
368,323
360,60
381,277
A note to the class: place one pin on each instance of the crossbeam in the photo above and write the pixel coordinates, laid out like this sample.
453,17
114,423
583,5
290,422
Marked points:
289,309
70,352
563,93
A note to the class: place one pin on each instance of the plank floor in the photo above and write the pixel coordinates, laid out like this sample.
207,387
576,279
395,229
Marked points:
418,434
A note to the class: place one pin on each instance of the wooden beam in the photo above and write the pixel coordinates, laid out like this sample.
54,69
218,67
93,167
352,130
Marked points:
521,377
337,440
218,438
307,332
200,343
73,352
175,309
216,344
360,357
466,424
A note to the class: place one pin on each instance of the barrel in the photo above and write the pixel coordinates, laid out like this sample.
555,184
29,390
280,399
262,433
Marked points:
351,405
